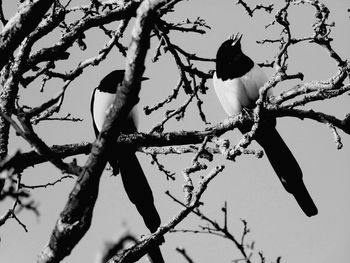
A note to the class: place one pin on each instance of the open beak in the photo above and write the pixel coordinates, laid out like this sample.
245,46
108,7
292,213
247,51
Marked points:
236,38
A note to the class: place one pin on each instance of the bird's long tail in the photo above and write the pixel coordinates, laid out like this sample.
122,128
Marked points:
285,166
140,194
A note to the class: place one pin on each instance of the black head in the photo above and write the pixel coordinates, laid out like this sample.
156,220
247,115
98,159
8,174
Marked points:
230,60
231,45
111,81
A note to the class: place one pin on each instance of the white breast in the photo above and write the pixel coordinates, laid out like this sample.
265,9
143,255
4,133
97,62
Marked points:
229,93
253,81
102,101
240,92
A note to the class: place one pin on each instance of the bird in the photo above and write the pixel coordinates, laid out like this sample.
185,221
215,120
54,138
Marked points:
237,80
123,158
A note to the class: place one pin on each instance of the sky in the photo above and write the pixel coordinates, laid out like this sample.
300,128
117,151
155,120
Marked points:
249,185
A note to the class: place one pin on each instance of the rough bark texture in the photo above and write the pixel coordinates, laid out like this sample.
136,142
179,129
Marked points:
75,219
26,66
23,23
20,26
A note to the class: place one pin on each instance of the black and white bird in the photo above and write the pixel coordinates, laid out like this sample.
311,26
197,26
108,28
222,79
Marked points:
124,159
237,81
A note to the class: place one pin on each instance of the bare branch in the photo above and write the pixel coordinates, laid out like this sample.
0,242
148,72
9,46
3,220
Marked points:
21,161
214,228
168,174
47,184
322,89
250,11
112,248
31,137
33,63
47,54
139,249
19,26
75,219
153,144
336,136
148,110
313,115
183,252
17,193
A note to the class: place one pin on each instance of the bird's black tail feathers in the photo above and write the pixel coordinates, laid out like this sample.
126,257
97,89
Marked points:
285,166
155,255
138,189
139,193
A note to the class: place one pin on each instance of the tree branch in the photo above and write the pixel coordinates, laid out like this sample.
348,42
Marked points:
75,219
19,26
140,248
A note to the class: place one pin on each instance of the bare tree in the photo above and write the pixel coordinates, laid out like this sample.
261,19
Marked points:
23,64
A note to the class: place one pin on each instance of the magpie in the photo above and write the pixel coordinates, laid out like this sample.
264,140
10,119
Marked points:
237,81
123,158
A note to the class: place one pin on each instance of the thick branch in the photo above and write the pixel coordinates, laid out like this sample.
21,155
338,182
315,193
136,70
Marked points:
21,161
313,115
75,219
20,26
47,54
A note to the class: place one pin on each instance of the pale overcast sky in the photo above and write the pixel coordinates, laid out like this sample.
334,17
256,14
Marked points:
249,185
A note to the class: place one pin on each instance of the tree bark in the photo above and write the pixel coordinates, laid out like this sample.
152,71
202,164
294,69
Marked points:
74,221
19,26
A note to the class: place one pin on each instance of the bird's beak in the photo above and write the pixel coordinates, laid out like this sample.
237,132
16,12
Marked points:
144,78
236,38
